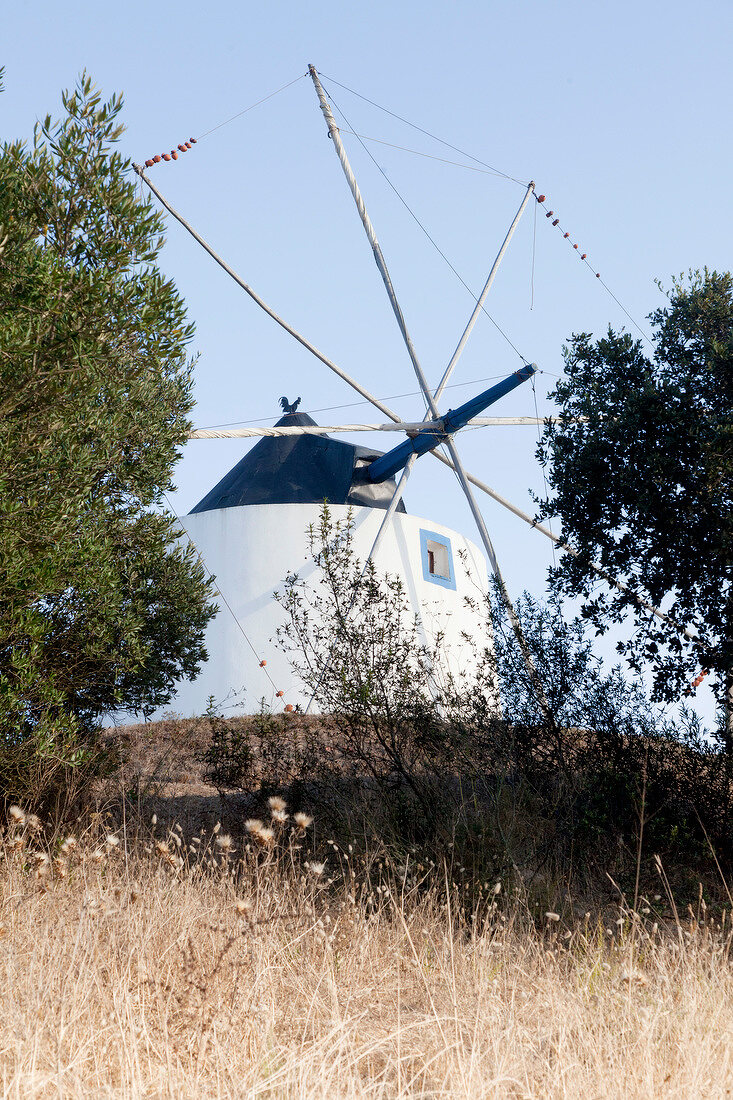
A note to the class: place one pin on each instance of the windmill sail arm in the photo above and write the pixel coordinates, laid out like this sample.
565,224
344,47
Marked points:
482,297
372,238
399,426
287,430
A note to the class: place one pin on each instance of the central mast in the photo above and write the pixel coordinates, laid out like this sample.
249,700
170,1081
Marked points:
335,136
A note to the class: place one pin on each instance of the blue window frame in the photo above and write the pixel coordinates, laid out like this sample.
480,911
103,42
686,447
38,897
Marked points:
437,559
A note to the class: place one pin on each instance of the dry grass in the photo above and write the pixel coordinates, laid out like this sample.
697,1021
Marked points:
217,968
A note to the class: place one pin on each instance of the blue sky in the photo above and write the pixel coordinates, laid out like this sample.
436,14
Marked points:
620,113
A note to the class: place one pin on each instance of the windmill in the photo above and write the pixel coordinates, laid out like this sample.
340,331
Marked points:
370,481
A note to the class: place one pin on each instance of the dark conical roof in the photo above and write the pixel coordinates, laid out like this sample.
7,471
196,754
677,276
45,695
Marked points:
300,469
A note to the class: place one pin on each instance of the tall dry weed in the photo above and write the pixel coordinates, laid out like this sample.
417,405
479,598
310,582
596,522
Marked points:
211,966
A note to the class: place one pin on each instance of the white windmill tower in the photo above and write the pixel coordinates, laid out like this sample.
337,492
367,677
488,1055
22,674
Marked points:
250,529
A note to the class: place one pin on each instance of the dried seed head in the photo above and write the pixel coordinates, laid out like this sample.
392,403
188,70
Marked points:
632,975
98,855
552,916
225,843
68,845
33,822
279,816
497,889
316,868
216,828
16,814
265,837
243,906
43,865
154,819
254,825
112,841
302,820
277,803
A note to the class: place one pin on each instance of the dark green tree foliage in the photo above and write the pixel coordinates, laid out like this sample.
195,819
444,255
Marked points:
644,484
98,607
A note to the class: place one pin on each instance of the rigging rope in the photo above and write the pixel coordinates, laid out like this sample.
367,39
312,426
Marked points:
419,153
491,169
433,137
356,404
555,222
534,254
252,106
434,243
544,477
184,146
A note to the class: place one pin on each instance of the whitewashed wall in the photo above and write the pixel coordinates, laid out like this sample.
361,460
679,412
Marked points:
250,550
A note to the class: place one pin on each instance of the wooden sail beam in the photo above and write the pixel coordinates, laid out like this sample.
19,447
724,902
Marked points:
407,470
482,296
399,426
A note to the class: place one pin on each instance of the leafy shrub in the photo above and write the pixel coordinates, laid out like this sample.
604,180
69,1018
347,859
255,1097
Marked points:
263,751
604,766
357,648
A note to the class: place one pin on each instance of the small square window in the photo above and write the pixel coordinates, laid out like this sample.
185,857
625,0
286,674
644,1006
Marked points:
437,559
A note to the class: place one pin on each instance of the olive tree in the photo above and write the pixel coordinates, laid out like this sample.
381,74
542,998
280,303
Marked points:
100,606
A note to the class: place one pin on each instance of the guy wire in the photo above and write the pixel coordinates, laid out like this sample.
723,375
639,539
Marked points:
433,137
434,243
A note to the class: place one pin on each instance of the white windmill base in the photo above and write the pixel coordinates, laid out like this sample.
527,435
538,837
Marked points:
251,549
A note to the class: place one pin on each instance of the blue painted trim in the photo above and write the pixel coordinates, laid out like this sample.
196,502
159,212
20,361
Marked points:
433,536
